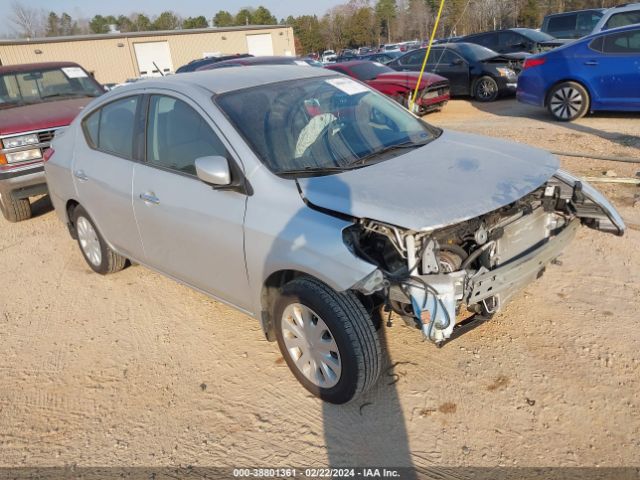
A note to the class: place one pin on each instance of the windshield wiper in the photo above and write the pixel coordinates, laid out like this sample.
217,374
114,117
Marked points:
313,170
397,146
52,95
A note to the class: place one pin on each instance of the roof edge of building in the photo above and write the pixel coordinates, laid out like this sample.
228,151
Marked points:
151,33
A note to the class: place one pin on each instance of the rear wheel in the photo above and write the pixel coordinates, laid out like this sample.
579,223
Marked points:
568,101
486,89
15,209
100,257
327,339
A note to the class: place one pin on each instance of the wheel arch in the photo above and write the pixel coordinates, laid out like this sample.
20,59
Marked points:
270,290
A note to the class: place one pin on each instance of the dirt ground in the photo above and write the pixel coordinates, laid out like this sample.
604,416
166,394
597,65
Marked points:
134,369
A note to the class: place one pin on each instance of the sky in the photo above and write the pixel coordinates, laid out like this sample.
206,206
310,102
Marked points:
185,8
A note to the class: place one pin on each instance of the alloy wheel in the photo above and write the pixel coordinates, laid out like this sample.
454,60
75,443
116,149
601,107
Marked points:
566,103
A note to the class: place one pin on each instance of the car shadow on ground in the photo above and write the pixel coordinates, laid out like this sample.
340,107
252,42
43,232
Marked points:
509,107
371,431
41,206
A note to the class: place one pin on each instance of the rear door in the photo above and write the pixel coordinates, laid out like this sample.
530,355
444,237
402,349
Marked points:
189,230
614,70
103,169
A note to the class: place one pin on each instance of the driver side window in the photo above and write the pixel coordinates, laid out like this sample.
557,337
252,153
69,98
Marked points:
177,136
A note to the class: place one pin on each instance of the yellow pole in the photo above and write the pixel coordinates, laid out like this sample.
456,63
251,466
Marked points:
412,101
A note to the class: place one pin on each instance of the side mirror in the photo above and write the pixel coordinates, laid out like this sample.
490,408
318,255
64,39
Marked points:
457,61
518,45
213,170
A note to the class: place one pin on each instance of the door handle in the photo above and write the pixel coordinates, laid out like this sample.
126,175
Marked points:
149,198
80,175
591,63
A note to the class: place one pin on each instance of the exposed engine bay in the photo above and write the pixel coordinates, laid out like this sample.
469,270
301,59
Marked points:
427,277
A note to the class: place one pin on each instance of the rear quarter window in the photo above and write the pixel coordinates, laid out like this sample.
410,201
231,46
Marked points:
623,19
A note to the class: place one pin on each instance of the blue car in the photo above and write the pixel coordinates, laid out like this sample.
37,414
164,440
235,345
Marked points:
599,72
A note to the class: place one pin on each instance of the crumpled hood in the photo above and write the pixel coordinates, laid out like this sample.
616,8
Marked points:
454,178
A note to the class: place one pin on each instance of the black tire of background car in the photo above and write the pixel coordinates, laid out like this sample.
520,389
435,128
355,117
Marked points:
15,209
351,327
586,101
111,261
481,86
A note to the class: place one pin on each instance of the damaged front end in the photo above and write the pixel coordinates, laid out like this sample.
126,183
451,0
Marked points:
429,276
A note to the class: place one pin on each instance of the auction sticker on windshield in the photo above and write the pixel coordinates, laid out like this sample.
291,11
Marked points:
74,72
347,85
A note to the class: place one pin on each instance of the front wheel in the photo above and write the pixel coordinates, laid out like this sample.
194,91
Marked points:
327,339
15,209
486,89
568,101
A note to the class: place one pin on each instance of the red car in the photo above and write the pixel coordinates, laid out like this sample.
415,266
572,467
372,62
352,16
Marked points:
35,100
432,95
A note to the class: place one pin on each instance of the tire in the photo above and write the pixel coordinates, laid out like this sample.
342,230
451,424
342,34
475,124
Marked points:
568,101
98,255
350,342
15,209
486,89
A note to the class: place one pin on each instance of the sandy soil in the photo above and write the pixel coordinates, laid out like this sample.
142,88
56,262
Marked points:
136,370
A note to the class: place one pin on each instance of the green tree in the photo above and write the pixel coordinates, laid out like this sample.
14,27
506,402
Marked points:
125,24
262,16
53,25
307,32
195,22
223,19
386,11
244,17
140,22
530,14
167,21
100,24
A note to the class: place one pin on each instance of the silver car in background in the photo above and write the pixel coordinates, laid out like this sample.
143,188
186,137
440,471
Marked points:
310,202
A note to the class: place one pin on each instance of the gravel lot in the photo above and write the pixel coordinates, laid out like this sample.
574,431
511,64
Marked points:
136,370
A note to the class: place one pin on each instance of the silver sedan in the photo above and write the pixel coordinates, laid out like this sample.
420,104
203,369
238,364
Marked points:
312,203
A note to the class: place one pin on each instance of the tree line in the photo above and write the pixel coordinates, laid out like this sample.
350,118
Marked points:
351,24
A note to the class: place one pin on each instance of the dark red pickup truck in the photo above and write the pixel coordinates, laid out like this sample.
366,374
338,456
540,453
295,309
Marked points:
35,100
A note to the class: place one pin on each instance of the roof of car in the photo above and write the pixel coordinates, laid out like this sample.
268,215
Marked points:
29,67
230,79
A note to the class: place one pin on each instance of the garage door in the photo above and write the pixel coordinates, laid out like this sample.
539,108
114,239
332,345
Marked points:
149,53
260,45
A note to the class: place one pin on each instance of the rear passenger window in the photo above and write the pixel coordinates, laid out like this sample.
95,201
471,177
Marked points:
626,42
177,135
111,128
413,58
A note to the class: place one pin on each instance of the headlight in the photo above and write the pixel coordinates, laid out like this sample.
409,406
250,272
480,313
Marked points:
506,72
20,141
24,155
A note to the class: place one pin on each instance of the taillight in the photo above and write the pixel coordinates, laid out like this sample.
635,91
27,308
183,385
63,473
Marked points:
534,62
48,153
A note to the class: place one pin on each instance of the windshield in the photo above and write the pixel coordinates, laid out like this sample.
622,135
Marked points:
474,52
369,70
21,88
535,35
321,125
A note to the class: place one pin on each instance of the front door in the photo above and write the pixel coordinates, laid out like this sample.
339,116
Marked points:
450,65
189,230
